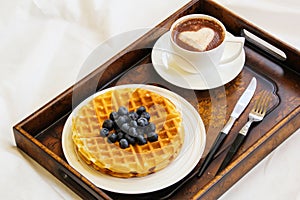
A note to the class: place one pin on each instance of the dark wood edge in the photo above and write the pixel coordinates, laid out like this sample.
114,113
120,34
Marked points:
240,24
278,134
61,103
57,166
27,128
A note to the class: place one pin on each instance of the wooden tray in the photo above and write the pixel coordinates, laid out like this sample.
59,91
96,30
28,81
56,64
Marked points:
39,135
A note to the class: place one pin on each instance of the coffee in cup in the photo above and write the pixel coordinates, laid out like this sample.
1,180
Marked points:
198,34
199,40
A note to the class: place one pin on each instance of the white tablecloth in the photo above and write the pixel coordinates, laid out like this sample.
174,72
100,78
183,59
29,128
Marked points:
45,43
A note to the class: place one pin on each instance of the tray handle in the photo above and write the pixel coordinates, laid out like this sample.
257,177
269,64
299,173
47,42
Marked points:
76,185
288,56
263,45
271,47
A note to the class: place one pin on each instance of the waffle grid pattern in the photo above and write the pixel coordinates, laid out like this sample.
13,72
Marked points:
136,160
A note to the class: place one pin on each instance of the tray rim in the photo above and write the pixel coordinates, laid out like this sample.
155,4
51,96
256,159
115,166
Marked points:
19,128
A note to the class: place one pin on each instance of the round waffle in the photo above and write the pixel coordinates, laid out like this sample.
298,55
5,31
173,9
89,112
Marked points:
136,160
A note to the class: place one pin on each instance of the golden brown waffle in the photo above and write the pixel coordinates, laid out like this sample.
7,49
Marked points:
136,160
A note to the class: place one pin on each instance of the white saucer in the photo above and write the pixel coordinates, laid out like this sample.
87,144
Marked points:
209,78
184,163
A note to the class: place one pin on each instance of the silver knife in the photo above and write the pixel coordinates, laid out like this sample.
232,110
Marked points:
237,111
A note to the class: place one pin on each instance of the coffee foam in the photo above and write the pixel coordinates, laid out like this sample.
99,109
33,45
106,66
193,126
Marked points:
199,40
198,34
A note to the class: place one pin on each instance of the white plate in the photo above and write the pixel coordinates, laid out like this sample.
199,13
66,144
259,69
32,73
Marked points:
210,77
189,156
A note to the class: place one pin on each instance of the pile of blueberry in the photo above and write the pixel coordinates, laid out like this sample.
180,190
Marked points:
129,127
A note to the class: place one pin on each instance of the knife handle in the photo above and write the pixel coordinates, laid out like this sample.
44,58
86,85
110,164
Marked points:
233,149
218,142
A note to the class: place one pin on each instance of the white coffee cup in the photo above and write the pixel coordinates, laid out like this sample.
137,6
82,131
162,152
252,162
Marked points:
193,60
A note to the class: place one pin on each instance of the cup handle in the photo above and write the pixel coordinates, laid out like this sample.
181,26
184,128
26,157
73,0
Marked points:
237,51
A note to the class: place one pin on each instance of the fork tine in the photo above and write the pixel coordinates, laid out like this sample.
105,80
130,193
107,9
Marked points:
266,103
256,115
262,103
257,104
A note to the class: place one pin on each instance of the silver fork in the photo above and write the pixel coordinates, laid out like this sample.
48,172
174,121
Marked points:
256,114
258,111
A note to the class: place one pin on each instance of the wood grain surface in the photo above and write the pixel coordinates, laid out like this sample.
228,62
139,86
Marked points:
39,135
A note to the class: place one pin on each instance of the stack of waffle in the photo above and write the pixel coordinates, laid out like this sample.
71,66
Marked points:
136,160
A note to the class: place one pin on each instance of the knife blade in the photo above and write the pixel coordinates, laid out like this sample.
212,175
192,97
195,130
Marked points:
237,111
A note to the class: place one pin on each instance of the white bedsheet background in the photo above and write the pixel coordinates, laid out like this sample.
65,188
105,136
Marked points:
43,45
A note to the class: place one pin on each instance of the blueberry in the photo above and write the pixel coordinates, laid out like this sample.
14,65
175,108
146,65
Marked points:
146,115
142,122
125,127
152,136
140,110
124,143
133,115
109,124
127,118
122,111
130,139
150,128
133,123
121,120
116,127
104,132
113,137
140,130
140,139
132,132
113,116
120,135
